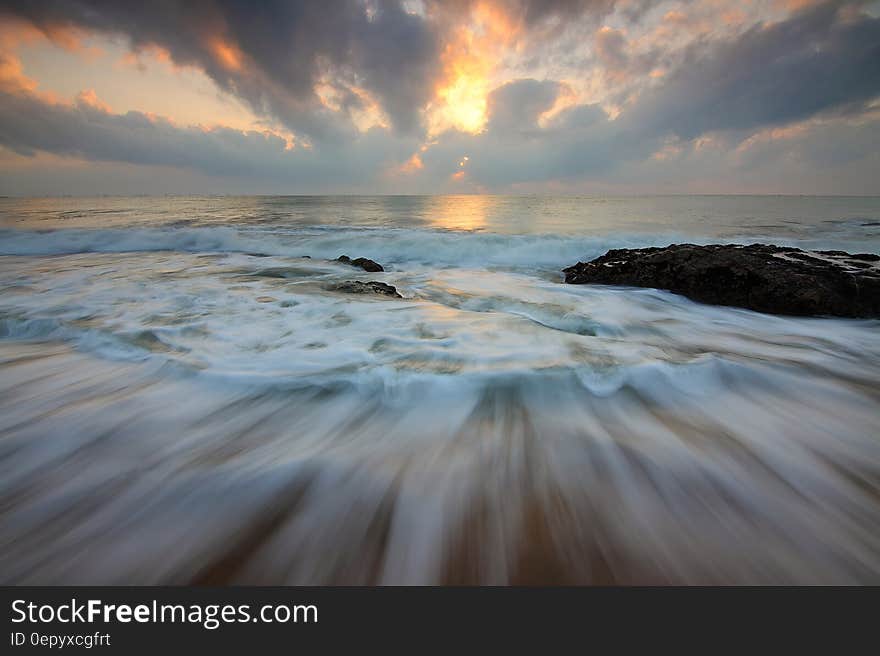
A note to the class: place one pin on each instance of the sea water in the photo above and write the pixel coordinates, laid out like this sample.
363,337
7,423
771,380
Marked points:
184,398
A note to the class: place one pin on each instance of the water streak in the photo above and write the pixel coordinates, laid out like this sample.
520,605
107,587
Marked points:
191,402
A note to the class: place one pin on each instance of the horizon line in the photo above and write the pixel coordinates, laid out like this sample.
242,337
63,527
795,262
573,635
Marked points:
436,195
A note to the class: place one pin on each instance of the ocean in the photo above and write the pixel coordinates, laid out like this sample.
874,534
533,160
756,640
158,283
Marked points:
185,399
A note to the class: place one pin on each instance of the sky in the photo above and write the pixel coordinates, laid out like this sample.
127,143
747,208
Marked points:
430,96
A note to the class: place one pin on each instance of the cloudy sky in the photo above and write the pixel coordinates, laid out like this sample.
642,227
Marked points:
431,96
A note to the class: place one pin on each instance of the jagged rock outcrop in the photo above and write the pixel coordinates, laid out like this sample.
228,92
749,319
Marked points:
772,279
361,262
370,287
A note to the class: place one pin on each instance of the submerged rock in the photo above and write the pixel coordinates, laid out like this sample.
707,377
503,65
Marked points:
773,279
283,272
361,262
371,287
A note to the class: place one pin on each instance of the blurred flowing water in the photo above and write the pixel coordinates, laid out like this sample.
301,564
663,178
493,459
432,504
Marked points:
184,400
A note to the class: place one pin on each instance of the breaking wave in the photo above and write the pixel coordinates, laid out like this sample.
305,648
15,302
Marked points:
392,246
185,404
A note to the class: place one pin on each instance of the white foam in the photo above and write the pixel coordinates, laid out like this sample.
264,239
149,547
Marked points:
704,443
395,246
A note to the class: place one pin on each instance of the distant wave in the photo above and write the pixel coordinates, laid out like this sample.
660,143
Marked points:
492,425
387,245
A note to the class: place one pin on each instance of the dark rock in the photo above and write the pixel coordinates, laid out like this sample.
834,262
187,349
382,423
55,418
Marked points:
866,257
371,287
361,262
760,277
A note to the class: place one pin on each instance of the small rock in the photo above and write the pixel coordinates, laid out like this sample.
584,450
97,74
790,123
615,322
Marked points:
371,287
361,262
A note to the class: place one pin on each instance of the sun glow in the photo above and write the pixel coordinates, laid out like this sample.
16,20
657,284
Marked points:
469,59
464,100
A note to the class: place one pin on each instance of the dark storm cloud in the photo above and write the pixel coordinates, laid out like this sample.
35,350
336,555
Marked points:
288,47
516,106
29,124
534,11
831,157
822,61
819,60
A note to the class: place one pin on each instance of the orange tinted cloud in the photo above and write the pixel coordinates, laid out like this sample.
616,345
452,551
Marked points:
412,165
89,98
469,59
227,54
360,105
565,98
154,52
797,5
71,39
15,34
12,78
368,113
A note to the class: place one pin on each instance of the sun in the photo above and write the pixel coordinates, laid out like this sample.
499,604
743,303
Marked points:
465,103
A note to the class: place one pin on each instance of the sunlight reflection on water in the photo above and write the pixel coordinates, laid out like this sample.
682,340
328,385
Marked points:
185,398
